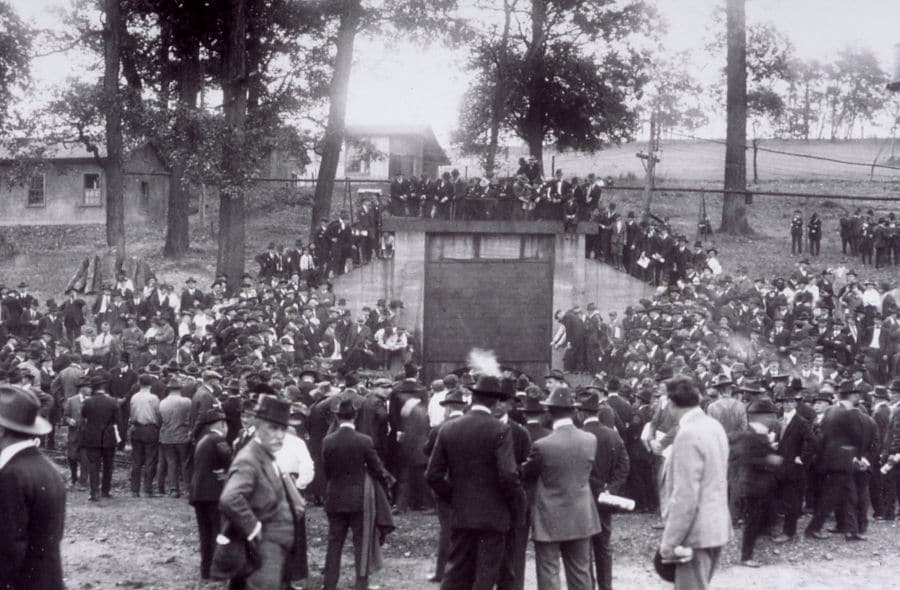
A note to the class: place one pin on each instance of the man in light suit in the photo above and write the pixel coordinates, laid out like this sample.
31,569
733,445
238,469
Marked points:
695,473
564,514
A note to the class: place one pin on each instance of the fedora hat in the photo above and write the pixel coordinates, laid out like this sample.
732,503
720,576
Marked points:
454,397
489,386
721,380
762,406
19,411
560,398
173,384
895,385
588,400
847,387
556,374
210,416
533,398
751,387
271,409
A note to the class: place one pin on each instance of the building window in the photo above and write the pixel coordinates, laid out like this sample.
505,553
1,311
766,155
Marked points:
295,180
145,196
36,191
358,165
92,193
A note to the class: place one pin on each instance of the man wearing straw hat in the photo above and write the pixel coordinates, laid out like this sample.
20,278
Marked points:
32,497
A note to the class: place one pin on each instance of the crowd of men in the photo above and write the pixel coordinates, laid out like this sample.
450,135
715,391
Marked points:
243,398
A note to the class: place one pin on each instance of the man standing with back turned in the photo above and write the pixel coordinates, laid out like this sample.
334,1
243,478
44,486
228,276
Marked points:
695,473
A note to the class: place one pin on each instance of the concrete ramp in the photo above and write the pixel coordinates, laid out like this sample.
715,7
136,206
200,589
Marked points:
611,289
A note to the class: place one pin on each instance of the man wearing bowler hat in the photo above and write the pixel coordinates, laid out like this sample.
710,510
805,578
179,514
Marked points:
473,468
255,499
99,435
32,497
211,459
348,458
534,413
564,516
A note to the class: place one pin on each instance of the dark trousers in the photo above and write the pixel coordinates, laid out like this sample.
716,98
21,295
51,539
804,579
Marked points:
207,528
756,512
95,458
512,576
475,559
790,492
856,509
796,243
815,246
876,491
601,545
338,525
173,466
412,489
143,465
444,513
890,492
837,493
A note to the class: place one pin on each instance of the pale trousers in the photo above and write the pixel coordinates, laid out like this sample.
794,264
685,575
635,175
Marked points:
696,574
576,557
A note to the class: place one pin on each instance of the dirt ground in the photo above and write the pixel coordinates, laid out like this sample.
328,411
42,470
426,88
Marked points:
151,543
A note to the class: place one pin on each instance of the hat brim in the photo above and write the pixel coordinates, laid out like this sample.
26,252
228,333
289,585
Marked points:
40,427
573,406
491,393
270,420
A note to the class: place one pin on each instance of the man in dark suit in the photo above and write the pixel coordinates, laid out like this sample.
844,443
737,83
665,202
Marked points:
796,445
99,435
32,498
340,238
454,406
612,473
841,446
473,468
211,459
534,413
347,458
513,575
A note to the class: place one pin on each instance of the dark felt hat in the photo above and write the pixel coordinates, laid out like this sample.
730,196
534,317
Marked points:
589,400
454,397
271,409
533,398
489,386
762,406
19,411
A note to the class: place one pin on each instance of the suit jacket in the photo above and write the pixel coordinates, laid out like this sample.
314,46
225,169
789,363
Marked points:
101,414
254,493
843,438
213,453
796,441
564,466
695,487
612,460
473,468
347,456
32,509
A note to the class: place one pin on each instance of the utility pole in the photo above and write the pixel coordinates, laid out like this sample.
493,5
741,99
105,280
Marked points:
649,160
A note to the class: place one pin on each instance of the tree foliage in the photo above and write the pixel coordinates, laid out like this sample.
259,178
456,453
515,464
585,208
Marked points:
15,49
573,74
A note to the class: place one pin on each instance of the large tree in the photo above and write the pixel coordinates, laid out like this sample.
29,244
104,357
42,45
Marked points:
15,50
734,209
115,150
423,19
574,76
856,91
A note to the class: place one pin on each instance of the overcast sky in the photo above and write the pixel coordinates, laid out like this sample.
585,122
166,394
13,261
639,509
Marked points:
406,83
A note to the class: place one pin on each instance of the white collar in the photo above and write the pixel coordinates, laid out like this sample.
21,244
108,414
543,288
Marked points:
557,424
348,425
14,449
479,408
220,433
538,421
691,412
591,419
504,418
454,414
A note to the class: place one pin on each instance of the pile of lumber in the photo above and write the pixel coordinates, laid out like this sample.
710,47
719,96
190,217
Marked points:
99,270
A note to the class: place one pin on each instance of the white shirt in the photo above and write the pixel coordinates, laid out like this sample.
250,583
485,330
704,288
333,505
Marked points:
14,449
435,409
294,457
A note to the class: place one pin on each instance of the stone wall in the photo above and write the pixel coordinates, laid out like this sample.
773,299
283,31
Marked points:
33,238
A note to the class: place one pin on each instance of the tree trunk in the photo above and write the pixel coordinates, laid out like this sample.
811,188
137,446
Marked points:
498,108
115,178
734,210
337,110
178,213
230,260
534,117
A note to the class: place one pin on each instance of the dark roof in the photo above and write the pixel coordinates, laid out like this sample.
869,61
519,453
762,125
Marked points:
58,151
433,152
